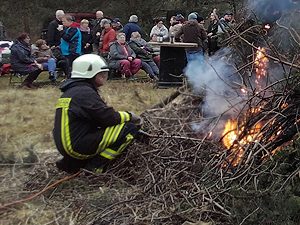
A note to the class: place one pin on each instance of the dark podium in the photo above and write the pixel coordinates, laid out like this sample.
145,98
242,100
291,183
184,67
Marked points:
172,62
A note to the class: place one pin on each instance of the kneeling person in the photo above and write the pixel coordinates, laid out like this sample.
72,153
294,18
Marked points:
87,132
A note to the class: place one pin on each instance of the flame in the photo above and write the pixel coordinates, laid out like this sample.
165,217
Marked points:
236,141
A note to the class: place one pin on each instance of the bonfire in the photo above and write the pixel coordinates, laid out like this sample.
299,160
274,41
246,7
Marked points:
214,150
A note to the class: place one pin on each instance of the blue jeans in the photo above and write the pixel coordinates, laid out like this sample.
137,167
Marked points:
50,65
194,55
151,68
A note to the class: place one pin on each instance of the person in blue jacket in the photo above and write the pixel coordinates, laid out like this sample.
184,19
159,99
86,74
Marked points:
131,27
70,44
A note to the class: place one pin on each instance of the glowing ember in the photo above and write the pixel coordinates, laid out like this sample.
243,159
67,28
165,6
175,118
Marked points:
267,26
261,64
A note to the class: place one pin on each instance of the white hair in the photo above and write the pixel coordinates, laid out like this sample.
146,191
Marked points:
133,18
59,12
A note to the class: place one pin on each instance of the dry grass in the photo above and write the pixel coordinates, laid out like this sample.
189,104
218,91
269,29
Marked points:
26,123
26,116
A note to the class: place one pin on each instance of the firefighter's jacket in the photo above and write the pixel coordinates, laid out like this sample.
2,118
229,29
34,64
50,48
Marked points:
81,118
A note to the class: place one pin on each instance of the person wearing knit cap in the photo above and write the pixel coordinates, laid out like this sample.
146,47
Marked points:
193,32
131,27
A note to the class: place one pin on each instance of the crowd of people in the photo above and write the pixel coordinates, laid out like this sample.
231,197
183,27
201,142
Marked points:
88,133
123,47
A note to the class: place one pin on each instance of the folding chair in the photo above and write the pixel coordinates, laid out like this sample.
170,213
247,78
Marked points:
16,77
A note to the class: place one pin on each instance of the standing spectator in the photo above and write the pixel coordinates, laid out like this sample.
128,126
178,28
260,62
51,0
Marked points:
117,25
23,62
225,24
131,27
144,52
176,23
193,32
212,31
160,29
55,29
96,31
108,35
123,58
87,39
71,40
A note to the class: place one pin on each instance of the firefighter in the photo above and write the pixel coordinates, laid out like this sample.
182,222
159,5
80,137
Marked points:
87,132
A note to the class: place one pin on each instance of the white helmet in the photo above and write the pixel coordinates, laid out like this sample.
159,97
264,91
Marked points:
88,65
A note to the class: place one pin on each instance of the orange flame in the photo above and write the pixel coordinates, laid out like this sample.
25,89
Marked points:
234,139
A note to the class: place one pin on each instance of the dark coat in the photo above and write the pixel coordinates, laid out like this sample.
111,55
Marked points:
54,35
131,27
96,28
142,52
86,37
116,53
213,40
193,32
21,58
86,117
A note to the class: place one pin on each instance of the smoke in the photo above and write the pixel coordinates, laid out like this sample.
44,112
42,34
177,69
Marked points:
268,11
217,80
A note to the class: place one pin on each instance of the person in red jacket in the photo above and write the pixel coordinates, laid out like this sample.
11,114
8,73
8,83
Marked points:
108,35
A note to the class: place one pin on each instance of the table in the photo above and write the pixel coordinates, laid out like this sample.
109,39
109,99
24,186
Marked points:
172,62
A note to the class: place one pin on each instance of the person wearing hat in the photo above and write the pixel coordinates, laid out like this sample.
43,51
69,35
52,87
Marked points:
108,35
193,32
87,132
117,25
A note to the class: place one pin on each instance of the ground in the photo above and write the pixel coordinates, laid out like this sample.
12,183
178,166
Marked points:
26,123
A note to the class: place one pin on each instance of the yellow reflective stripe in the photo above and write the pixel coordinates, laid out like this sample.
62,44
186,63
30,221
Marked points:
125,116
110,136
115,134
103,142
109,153
65,129
112,154
63,103
129,139
122,117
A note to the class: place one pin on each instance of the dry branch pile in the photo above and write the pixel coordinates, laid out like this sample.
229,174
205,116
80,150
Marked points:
185,176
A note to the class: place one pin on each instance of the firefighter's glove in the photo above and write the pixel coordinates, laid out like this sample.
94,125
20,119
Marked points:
137,120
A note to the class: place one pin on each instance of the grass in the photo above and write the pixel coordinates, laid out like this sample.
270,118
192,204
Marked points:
26,116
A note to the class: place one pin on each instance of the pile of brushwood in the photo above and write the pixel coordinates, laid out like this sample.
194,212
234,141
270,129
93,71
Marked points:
181,176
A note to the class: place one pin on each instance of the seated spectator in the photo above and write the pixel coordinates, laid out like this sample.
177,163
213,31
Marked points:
123,58
23,62
45,56
117,25
144,51
87,38
160,30
108,35
156,51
